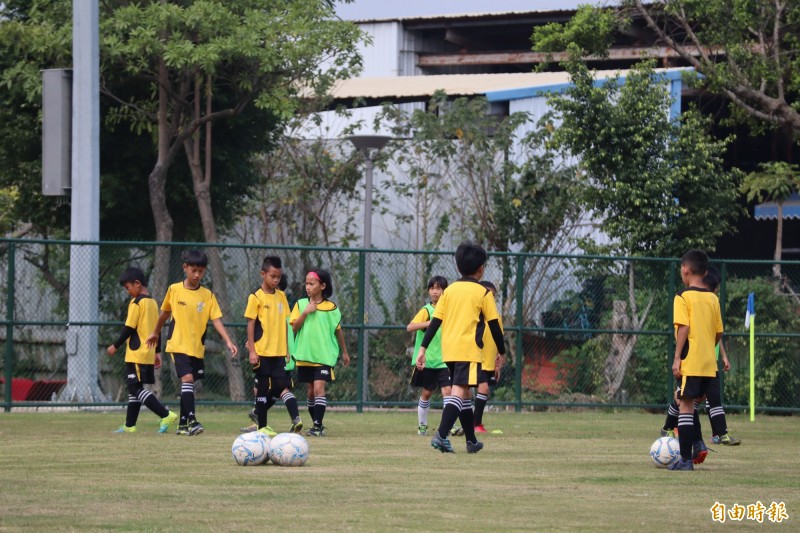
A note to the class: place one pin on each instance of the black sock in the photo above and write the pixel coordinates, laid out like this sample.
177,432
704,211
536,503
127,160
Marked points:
686,435
467,419
698,431
291,405
310,406
450,413
187,402
480,405
151,402
320,403
672,416
132,415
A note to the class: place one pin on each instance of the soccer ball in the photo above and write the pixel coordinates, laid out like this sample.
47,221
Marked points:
665,451
288,449
250,449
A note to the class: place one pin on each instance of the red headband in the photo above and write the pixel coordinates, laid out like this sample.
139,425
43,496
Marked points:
312,273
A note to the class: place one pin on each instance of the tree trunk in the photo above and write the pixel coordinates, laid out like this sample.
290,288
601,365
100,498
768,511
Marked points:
622,345
776,268
201,183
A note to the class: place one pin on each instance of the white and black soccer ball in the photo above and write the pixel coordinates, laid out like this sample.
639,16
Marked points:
665,451
250,449
288,449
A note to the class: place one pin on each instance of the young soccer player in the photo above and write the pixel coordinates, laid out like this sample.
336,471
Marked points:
316,323
491,364
266,313
716,413
435,374
191,306
463,311
698,329
141,360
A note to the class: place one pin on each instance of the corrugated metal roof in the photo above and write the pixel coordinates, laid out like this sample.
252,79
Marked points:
487,14
405,87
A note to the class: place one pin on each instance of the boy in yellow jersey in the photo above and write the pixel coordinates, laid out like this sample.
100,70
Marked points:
435,374
267,314
465,309
141,360
698,329
191,306
491,364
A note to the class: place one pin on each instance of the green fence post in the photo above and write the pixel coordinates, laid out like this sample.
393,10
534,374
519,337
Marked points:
9,355
723,298
361,372
519,347
671,338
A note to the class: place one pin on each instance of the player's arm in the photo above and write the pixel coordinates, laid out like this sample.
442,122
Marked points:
220,327
680,341
251,342
297,323
726,364
124,335
416,326
497,336
152,340
342,346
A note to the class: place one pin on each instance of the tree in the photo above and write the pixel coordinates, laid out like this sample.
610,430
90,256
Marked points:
656,187
775,182
746,51
206,61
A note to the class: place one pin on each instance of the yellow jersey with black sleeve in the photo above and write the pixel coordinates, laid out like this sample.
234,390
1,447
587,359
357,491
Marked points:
191,311
315,343
698,309
489,350
464,308
142,318
270,312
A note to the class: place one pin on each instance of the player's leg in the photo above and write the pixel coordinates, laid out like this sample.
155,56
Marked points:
290,401
320,405
147,375
716,415
481,399
685,433
671,421
423,407
261,396
134,404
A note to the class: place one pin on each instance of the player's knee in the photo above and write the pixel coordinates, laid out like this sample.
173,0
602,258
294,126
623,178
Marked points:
134,388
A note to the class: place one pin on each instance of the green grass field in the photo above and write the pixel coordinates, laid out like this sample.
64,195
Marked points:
547,471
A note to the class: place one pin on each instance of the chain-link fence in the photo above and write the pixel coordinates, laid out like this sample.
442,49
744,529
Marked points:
581,330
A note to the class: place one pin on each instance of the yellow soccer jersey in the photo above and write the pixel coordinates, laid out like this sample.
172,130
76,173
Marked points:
191,310
270,312
142,318
489,350
465,308
698,309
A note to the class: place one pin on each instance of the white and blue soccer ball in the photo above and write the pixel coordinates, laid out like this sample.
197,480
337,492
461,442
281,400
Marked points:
288,449
665,451
250,449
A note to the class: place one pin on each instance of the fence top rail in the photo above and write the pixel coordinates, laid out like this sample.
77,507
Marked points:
583,257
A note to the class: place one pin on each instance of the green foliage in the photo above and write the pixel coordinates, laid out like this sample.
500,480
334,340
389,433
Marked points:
774,182
659,186
590,31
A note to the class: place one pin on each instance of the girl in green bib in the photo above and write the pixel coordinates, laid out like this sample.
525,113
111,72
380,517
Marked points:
318,341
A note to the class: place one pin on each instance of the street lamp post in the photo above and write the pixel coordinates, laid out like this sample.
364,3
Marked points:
369,146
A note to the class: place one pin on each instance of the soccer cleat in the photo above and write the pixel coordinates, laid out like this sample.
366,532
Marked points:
253,416
297,426
195,428
699,452
422,430
669,433
316,431
268,431
474,447
480,429
443,445
183,430
727,440
680,464
125,429
457,432
167,422
248,429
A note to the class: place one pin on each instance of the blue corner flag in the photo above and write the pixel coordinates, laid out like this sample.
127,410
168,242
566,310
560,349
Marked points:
751,310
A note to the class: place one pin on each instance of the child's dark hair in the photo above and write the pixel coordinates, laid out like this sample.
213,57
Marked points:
196,258
470,257
283,283
325,277
132,275
712,278
439,281
696,261
271,261
488,284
